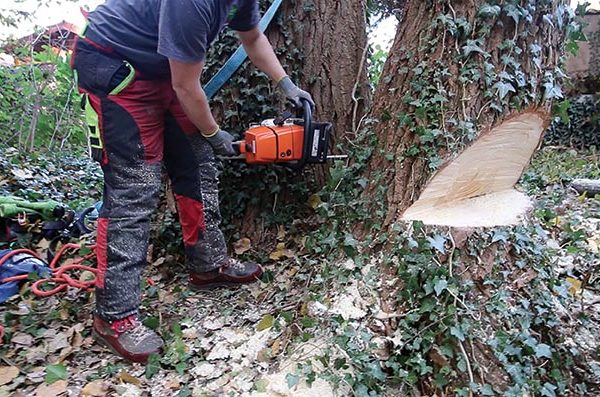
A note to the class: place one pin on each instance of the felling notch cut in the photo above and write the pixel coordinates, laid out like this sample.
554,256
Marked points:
476,189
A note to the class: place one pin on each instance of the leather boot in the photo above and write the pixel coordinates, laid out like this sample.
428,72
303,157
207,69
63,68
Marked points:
232,273
128,338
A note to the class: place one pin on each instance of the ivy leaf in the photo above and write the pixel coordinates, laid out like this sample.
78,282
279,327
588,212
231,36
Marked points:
500,235
292,380
261,385
543,350
473,46
440,286
513,12
458,333
552,91
438,241
55,373
504,88
535,49
488,11
548,390
350,241
153,365
548,19
151,322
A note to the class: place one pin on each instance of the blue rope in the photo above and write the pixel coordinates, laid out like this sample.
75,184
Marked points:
238,57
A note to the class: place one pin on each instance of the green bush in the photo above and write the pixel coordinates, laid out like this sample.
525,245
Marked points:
39,104
577,124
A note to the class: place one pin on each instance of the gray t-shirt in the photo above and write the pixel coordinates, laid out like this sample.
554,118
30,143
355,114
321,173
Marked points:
149,32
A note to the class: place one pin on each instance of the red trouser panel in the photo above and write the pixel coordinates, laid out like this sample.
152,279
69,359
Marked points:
145,103
191,217
101,247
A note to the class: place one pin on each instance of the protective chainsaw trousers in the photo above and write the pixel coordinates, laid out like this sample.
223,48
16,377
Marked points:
135,125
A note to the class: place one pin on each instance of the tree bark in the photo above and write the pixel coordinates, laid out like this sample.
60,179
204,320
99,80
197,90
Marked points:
322,45
332,38
463,102
457,72
590,187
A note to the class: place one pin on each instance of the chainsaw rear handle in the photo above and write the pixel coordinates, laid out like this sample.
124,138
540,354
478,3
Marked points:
307,113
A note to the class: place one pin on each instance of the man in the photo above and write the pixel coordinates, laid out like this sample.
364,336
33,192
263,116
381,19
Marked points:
139,64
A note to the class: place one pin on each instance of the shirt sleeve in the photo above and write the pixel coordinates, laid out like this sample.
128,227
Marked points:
183,29
247,16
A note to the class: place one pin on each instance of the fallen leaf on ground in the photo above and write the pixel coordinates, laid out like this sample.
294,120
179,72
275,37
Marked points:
53,390
22,339
58,342
55,372
281,234
21,173
574,286
87,276
594,244
281,252
525,278
96,388
314,201
7,374
276,347
173,384
264,323
126,377
241,246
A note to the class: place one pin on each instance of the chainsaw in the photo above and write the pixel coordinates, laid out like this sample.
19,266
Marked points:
289,141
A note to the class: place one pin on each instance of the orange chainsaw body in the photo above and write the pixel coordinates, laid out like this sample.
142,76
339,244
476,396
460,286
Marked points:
273,144
290,142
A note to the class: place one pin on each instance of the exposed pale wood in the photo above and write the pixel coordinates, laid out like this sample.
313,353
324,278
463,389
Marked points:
504,208
590,187
490,166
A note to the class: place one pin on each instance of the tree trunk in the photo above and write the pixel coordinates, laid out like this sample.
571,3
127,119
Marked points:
463,102
332,40
464,99
324,56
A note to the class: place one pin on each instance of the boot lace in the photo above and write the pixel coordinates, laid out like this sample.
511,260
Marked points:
234,264
132,326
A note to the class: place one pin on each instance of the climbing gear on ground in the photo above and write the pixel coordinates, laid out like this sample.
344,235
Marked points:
128,338
44,219
15,267
11,207
54,277
231,273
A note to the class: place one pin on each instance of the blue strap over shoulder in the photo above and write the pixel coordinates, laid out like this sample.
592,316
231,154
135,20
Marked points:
239,56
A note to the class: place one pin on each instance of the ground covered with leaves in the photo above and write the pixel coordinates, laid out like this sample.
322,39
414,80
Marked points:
317,323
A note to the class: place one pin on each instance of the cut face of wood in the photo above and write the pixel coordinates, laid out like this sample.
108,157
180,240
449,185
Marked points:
491,166
496,209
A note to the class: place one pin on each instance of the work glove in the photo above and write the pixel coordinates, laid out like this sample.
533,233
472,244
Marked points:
294,93
222,143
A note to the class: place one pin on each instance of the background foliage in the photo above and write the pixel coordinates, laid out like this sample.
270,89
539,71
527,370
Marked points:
39,104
